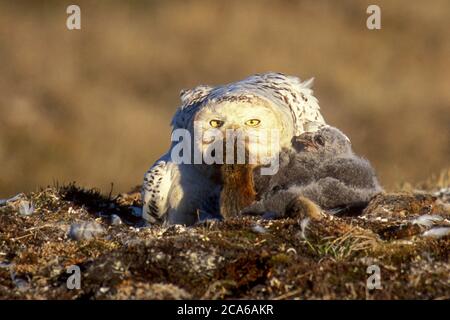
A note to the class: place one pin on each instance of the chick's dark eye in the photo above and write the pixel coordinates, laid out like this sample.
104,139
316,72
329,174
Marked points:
319,140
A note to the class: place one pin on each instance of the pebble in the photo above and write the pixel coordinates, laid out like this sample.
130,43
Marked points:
259,229
26,208
115,220
21,284
85,230
104,289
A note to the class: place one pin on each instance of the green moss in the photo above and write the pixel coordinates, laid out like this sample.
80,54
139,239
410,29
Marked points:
280,258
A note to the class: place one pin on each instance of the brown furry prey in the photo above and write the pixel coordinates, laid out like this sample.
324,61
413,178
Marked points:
238,191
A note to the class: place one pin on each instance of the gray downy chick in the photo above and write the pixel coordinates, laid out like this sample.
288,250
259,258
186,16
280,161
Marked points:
322,167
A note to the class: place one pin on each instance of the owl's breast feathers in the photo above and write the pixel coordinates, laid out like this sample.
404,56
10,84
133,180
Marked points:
156,188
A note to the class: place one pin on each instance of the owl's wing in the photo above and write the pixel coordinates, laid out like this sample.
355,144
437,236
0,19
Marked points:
159,179
156,189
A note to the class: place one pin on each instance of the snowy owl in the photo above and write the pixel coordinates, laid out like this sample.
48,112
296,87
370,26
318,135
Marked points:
178,192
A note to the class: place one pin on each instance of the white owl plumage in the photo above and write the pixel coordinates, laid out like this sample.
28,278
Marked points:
178,193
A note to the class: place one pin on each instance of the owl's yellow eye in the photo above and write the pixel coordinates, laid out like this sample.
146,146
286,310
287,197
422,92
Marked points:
252,122
216,123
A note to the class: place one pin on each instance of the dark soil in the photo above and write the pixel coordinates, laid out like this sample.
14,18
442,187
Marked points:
244,258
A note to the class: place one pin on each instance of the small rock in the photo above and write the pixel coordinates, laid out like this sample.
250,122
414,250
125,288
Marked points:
21,284
104,289
85,230
26,208
115,220
259,229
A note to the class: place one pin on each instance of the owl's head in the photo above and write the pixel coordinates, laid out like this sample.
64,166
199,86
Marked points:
248,123
268,109
327,140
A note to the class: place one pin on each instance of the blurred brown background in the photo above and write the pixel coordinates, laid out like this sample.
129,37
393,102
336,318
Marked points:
94,106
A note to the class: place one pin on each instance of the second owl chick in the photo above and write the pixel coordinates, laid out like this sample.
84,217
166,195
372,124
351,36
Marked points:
321,167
